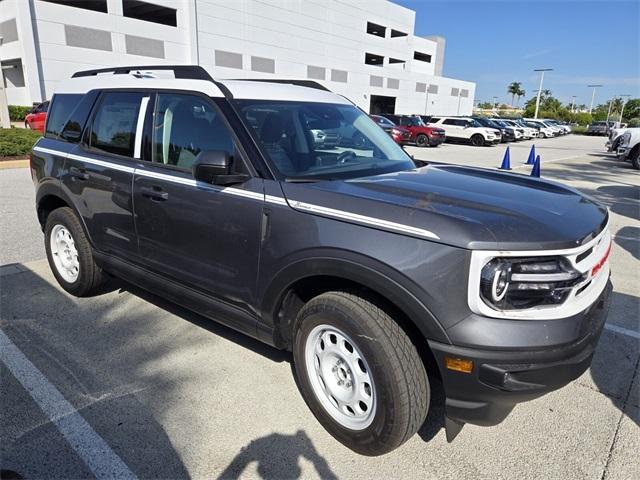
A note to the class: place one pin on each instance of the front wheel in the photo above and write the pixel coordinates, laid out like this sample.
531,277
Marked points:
635,158
422,140
477,140
359,373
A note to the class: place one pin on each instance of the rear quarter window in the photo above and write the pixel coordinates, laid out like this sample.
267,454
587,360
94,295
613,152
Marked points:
61,107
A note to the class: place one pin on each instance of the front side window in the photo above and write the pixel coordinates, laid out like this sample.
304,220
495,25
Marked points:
318,141
114,125
185,125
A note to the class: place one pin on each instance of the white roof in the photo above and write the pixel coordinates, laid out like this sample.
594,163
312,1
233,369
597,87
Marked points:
241,89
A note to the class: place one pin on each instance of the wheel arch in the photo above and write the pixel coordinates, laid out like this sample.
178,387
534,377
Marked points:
296,284
50,197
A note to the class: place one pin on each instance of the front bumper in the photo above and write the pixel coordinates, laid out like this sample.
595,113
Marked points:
435,140
622,152
502,378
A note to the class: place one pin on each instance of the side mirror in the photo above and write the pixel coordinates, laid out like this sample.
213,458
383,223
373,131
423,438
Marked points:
214,166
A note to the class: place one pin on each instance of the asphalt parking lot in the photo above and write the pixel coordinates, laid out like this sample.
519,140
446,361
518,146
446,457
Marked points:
146,389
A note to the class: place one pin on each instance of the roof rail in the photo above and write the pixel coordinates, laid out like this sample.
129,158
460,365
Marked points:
299,83
192,72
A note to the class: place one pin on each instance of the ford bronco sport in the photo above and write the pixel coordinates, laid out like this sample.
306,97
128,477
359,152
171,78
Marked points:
380,274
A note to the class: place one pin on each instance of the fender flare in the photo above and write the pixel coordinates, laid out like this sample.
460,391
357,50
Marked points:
382,279
53,188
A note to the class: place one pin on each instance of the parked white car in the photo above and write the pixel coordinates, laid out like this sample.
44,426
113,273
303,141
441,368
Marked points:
615,136
629,147
564,129
467,129
544,131
529,131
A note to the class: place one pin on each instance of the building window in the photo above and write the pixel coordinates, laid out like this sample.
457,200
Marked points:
455,92
432,88
95,5
393,83
397,33
149,12
317,73
228,59
423,57
395,60
375,29
373,59
9,31
339,76
261,64
421,87
12,73
375,81
146,47
87,38
464,93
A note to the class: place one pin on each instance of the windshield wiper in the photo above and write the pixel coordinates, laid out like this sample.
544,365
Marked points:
307,179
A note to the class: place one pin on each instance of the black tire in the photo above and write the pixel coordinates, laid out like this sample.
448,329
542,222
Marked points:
422,140
477,140
634,156
90,277
401,386
27,125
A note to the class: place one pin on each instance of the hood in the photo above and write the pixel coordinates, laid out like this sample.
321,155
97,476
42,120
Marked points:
461,206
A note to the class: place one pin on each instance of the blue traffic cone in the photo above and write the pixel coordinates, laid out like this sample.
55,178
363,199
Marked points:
506,161
532,156
535,171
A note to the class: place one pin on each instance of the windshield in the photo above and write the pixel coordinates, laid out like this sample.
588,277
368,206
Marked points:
320,141
416,122
474,123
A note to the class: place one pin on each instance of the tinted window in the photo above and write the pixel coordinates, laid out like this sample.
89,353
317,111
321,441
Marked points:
450,121
114,126
184,126
61,107
149,12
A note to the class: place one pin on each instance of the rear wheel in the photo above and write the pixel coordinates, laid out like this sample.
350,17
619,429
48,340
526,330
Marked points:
422,140
359,372
477,140
70,255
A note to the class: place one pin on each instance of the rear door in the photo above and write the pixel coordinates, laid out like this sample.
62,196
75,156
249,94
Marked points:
454,127
203,236
99,172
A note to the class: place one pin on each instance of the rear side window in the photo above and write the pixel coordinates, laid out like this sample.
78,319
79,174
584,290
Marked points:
61,107
450,121
114,125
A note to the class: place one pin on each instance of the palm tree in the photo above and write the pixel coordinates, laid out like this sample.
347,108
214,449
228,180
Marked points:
521,93
513,89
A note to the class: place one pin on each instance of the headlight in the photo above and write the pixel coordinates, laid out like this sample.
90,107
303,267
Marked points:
519,283
626,138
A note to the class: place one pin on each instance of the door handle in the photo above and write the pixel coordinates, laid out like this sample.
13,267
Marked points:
154,193
79,173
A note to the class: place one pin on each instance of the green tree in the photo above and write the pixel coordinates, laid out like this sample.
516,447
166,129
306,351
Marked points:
631,109
521,93
514,89
485,105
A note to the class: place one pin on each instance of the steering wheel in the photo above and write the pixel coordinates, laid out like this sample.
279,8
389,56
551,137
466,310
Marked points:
346,156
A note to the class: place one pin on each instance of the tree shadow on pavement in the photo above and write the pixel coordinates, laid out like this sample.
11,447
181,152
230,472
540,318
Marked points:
629,238
277,458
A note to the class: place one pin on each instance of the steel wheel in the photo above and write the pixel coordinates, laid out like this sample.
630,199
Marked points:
340,377
64,253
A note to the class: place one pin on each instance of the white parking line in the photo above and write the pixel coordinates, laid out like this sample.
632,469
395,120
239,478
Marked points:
622,331
90,447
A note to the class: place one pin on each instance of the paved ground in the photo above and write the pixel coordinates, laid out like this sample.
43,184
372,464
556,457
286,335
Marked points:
127,378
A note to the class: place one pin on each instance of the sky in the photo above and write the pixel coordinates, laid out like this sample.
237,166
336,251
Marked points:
496,42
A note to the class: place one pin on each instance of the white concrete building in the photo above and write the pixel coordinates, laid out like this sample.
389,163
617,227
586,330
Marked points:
363,49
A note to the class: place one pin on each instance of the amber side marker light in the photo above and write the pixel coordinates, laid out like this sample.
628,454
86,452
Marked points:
458,364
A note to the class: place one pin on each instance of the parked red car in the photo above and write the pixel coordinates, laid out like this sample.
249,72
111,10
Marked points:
400,134
36,119
421,134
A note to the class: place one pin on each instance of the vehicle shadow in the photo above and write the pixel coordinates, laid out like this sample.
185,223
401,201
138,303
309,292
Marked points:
629,238
277,457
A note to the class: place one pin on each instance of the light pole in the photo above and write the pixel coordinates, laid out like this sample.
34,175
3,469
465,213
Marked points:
624,102
573,103
495,103
609,111
593,95
5,120
541,70
426,100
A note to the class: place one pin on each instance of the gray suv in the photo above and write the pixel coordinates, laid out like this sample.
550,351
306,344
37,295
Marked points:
380,274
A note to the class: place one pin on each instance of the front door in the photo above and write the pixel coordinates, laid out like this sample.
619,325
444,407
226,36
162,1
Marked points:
203,236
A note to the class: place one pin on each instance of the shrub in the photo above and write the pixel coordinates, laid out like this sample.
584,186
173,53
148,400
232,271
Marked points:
634,122
579,129
18,112
17,141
